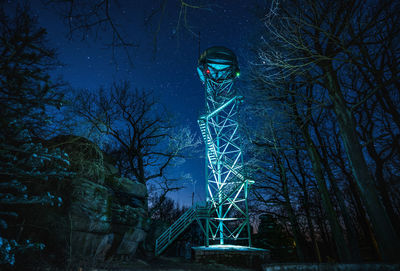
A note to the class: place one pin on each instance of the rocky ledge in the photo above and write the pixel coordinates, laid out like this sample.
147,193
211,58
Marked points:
101,215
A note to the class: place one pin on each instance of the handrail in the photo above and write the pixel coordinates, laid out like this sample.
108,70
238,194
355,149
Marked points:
221,107
174,230
178,221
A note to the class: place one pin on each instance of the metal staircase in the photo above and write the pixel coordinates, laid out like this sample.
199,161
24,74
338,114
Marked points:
238,172
208,140
174,230
228,190
229,164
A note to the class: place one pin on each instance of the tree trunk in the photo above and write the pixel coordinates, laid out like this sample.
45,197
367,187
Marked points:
382,187
337,232
306,204
362,217
312,233
324,232
386,236
351,229
292,217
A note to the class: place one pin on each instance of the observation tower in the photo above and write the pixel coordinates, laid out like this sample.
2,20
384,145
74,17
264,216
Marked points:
223,217
226,181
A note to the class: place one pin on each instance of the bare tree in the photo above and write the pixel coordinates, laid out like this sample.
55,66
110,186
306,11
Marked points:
275,188
145,143
315,37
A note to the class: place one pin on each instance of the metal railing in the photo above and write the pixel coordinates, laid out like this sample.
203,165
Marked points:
174,230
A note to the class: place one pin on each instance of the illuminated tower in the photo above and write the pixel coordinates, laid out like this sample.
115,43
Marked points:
224,217
226,182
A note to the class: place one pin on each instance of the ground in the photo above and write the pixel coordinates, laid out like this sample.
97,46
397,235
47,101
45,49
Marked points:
168,264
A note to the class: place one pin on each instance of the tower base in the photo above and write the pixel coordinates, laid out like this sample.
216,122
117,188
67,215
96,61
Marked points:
232,255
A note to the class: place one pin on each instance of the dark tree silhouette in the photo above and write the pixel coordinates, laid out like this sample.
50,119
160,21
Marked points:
335,59
26,94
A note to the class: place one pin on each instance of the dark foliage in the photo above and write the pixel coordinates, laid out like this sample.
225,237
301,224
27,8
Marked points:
26,92
272,236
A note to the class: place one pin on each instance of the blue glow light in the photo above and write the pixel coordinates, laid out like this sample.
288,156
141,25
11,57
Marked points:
228,248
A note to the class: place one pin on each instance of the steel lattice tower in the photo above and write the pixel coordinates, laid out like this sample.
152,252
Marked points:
224,218
226,182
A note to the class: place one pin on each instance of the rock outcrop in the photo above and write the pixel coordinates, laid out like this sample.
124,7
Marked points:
102,215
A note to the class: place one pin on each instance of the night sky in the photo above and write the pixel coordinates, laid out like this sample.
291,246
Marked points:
170,72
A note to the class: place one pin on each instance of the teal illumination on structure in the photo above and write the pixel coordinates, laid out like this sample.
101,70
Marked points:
226,181
224,217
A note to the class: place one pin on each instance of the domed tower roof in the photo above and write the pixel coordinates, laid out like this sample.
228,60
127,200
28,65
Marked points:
218,63
218,55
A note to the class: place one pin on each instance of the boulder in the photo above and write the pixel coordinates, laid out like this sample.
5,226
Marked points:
104,247
103,222
134,188
128,238
130,242
87,244
126,215
90,207
110,169
86,158
102,214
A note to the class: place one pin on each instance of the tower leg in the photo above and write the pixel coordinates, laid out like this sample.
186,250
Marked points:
207,240
221,228
247,214
220,216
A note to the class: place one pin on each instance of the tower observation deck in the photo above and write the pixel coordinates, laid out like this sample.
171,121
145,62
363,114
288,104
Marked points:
224,216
